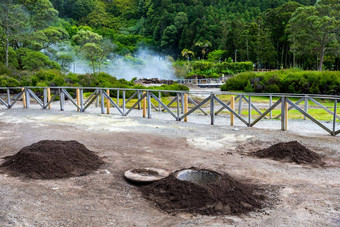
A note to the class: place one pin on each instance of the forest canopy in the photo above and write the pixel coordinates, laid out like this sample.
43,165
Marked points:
273,34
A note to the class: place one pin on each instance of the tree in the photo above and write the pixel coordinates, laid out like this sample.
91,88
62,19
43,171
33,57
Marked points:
93,47
78,9
42,13
169,38
43,39
13,21
203,45
186,53
316,27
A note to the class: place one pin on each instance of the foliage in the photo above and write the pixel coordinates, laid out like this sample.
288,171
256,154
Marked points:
34,60
217,55
316,28
271,34
210,69
6,81
286,81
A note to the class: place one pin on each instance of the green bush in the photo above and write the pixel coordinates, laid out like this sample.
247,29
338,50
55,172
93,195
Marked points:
6,81
217,55
287,81
209,69
35,60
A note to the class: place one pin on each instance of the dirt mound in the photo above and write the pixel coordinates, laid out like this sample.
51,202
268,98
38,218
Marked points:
292,152
225,196
51,159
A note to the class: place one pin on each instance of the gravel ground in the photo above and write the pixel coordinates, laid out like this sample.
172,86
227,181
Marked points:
299,195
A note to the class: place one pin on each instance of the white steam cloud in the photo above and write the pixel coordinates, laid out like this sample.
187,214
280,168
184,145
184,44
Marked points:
144,64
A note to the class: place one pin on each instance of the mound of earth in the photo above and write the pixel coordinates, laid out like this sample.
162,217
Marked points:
291,152
52,159
225,196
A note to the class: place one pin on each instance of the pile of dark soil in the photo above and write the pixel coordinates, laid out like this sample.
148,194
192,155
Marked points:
226,196
290,152
51,159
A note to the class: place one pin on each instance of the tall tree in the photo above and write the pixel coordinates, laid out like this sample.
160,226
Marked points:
316,26
93,47
13,21
204,46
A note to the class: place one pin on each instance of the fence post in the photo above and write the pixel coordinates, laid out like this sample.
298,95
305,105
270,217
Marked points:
334,116
108,102
149,104
138,95
81,91
118,98
306,107
240,104
185,106
160,99
182,103
102,104
49,97
28,98
45,97
270,104
78,98
124,103
62,99
249,111
177,100
23,97
232,100
8,98
212,108
97,100
284,114
144,105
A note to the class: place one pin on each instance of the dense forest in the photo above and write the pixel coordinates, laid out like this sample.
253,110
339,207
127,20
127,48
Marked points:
272,34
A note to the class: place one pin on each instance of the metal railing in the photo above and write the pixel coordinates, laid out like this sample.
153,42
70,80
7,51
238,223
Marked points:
204,81
142,98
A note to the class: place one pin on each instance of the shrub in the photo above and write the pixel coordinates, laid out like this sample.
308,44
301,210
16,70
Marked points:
217,55
210,69
34,60
6,81
287,81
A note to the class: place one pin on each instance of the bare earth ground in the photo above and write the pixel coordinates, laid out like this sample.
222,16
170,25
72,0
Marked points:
301,195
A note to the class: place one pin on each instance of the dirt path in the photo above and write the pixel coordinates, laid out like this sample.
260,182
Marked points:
304,196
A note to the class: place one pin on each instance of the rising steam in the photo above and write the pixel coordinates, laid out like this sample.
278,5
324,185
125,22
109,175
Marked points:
144,64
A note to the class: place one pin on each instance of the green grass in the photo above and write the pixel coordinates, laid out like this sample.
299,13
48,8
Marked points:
319,114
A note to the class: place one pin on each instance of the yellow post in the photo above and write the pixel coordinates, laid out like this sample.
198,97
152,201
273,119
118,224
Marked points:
78,98
144,105
232,102
286,114
185,106
49,96
108,102
23,97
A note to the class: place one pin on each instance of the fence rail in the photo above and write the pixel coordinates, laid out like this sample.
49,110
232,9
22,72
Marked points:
44,96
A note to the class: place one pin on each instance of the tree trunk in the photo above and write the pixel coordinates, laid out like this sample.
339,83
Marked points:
7,49
93,67
322,53
247,51
283,47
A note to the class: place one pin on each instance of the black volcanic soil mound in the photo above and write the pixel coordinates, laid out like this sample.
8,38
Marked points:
290,152
52,159
225,196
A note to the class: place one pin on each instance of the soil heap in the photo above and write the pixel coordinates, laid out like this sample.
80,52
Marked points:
225,196
292,152
52,159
